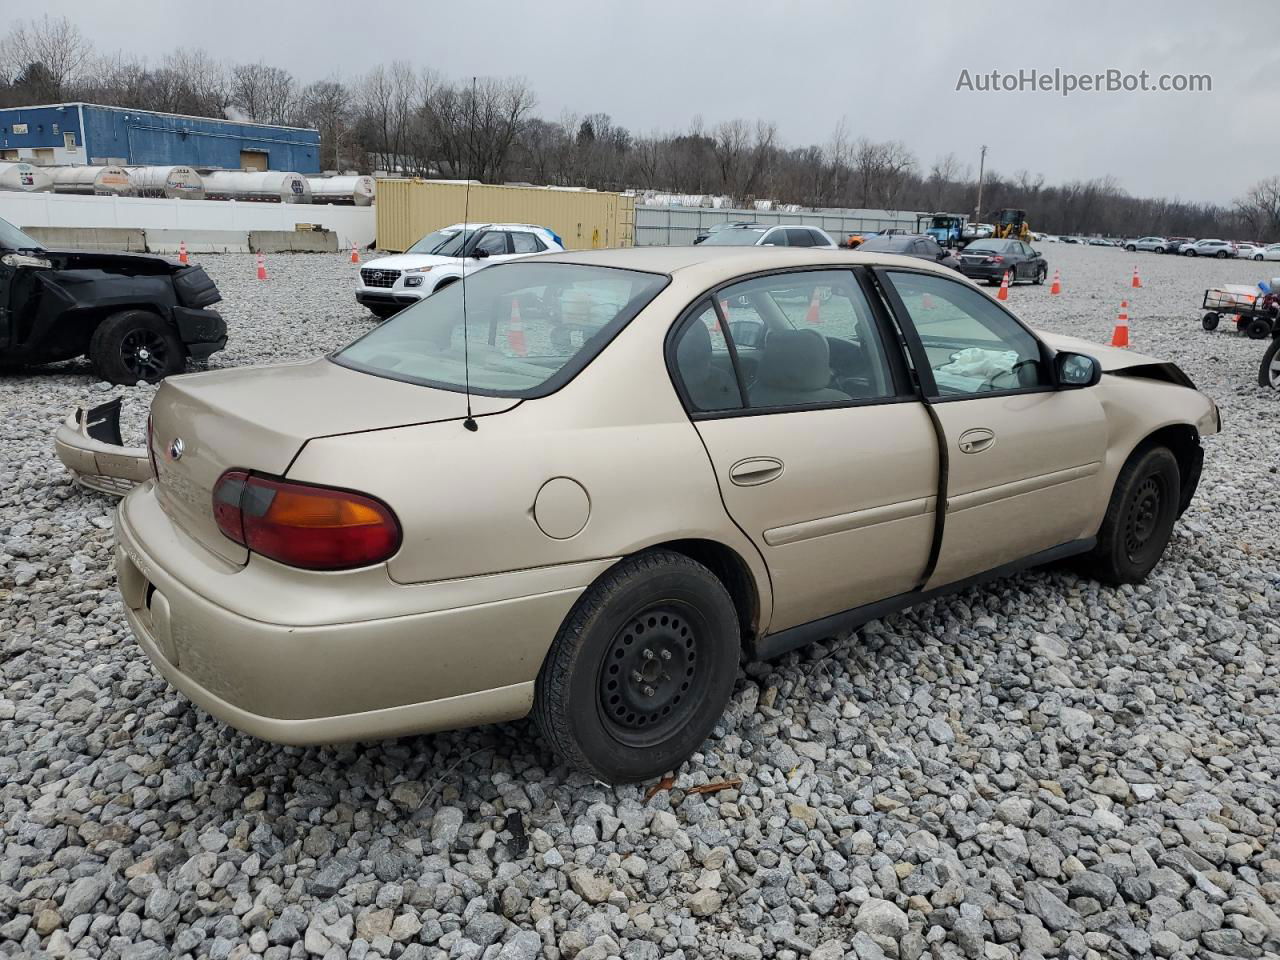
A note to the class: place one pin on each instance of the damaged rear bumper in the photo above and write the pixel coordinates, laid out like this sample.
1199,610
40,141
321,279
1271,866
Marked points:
89,445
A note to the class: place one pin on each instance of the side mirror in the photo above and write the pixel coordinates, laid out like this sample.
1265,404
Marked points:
480,254
1072,371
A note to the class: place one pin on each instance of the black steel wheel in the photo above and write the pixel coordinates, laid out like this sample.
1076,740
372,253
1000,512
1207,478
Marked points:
641,669
136,345
1139,521
651,668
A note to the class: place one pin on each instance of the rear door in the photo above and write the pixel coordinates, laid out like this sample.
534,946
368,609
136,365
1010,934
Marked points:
1024,459
823,456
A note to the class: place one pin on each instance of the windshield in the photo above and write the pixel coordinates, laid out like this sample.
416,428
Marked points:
435,242
988,246
736,237
530,327
11,238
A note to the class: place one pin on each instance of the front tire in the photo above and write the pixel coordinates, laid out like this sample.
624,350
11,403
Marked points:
1258,329
1139,519
1040,275
135,345
1269,372
641,669
1210,321
1131,248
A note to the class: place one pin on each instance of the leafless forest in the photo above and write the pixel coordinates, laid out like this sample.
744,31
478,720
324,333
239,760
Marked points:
402,117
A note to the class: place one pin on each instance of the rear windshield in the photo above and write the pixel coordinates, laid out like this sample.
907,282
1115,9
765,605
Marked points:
989,246
530,327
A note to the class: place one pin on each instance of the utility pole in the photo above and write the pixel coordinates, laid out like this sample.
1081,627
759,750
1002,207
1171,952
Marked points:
982,162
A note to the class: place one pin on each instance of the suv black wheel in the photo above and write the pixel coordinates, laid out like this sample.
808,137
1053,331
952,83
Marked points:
136,345
641,669
1139,520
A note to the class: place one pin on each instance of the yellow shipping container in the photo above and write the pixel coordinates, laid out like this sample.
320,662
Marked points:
584,219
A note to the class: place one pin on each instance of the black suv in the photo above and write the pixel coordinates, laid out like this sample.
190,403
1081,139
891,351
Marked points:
136,316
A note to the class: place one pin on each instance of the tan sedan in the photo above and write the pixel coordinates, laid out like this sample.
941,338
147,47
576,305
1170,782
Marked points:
625,469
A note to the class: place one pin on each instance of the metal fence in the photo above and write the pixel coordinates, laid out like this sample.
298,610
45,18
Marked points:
677,226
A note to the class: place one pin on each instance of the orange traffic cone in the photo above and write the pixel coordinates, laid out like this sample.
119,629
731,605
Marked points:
515,331
262,266
1004,287
182,252
813,317
355,255
1056,287
1137,284
1120,338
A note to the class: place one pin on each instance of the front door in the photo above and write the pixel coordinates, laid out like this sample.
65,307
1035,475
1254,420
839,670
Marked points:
1024,460
823,456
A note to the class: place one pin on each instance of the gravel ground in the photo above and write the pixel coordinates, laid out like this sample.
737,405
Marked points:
1042,767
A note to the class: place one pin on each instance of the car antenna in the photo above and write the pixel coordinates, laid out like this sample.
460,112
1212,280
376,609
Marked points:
470,422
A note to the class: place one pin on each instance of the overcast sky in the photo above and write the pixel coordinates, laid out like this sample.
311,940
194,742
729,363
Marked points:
889,68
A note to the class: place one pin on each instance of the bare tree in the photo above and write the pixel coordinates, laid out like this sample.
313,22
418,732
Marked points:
1260,207
45,55
263,93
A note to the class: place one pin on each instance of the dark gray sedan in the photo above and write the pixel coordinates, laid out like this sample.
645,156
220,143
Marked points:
910,245
991,259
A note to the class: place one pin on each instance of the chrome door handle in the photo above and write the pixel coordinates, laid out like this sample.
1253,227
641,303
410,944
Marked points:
754,471
976,440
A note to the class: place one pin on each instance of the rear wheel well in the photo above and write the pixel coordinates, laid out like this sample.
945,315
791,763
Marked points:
731,570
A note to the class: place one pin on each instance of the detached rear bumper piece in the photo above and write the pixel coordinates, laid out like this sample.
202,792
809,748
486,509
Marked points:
89,445
203,332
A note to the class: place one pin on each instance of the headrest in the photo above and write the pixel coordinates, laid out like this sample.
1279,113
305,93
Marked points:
693,353
796,360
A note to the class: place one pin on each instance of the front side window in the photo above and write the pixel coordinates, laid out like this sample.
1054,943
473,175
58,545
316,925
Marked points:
972,346
493,242
530,327
775,238
800,339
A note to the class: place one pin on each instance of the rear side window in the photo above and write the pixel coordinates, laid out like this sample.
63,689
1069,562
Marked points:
530,327
526,243
799,238
794,340
818,239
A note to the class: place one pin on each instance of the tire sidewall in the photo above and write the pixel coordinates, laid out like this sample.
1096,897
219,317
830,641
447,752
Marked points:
1268,357
104,345
685,584
1157,462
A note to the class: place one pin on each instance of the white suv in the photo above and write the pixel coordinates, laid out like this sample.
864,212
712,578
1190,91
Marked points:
389,284
1208,248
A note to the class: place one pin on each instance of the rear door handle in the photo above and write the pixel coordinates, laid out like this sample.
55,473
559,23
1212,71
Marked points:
976,440
754,471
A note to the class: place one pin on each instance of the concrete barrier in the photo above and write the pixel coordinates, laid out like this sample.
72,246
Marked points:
198,241
89,238
293,241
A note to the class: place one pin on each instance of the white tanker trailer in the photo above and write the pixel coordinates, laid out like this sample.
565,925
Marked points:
352,190
25,177
105,181
177,182
270,186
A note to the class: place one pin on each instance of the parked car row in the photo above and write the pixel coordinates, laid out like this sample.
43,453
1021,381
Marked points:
1221,249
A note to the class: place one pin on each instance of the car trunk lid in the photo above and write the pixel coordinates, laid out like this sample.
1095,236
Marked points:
259,418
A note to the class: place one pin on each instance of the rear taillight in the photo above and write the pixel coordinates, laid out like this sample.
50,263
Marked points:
302,525
995,259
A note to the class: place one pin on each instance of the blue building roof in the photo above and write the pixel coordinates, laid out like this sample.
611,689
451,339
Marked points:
80,133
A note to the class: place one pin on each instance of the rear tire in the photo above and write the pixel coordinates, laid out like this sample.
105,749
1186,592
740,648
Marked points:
1258,329
1139,519
640,670
1221,254
135,345
1269,372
